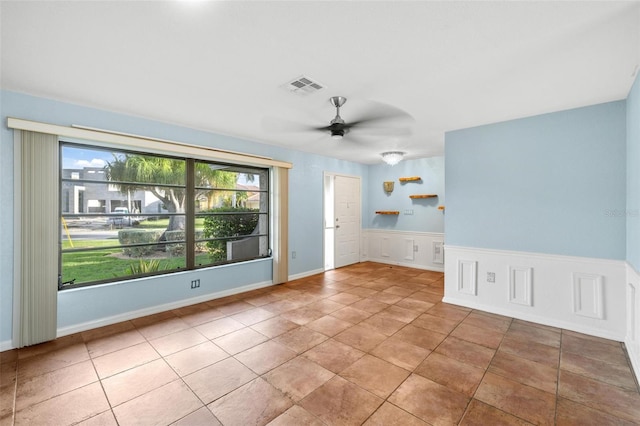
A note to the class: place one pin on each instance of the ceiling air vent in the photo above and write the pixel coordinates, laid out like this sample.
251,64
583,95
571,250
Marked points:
303,86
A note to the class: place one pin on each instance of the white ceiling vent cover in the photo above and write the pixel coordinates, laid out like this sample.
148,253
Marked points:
304,86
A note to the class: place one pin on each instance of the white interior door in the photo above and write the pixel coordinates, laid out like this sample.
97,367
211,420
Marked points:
347,220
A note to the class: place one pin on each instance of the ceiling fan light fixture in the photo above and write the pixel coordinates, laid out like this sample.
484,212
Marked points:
392,157
337,134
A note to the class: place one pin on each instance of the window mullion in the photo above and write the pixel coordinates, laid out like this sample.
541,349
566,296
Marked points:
190,225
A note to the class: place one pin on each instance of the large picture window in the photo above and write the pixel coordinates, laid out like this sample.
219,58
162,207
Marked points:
127,214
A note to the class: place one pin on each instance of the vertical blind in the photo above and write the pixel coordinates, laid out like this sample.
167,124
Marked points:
37,203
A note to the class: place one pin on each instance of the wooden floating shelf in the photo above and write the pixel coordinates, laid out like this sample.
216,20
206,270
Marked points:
387,212
409,179
423,196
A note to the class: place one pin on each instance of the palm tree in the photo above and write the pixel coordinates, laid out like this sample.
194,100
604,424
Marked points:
165,178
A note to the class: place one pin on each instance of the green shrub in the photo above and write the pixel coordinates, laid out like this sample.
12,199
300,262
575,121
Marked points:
228,225
139,236
144,267
177,249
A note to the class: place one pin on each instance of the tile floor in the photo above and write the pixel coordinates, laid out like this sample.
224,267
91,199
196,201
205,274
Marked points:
366,344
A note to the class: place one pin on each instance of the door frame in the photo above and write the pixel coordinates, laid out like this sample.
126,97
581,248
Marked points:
328,190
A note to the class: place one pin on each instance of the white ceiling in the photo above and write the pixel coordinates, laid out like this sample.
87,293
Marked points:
220,66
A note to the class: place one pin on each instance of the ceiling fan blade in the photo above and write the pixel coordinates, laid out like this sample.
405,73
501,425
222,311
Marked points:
381,112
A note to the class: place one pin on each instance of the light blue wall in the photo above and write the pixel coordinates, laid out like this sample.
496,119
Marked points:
633,175
554,183
76,307
426,216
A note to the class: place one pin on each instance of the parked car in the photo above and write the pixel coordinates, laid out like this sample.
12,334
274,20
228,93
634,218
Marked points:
119,221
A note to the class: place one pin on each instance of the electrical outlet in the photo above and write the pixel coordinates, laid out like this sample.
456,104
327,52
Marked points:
195,283
408,212
293,254
491,277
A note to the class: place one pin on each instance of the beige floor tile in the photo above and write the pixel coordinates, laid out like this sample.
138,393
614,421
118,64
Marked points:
255,403
333,355
420,337
340,402
46,362
401,314
522,401
124,359
572,413
351,315
401,353
103,419
370,305
302,316
429,401
65,409
383,324
300,339
200,417
478,413
171,343
266,356
615,374
217,380
219,327
163,328
390,415
524,371
534,333
360,337
238,341
274,327
45,386
139,380
467,352
600,396
435,323
253,316
595,349
163,405
328,325
298,377
544,354
113,342
456,375
192,359
479,335
375,375
295,416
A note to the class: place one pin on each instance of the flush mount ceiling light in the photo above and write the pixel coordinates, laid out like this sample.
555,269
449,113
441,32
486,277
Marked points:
392,157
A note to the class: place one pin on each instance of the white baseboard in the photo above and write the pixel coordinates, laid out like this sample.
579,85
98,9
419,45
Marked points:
580,294
76,328
421,250
305,274
632,339
6,345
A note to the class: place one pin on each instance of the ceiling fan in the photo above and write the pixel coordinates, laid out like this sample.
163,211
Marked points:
377,120
338,128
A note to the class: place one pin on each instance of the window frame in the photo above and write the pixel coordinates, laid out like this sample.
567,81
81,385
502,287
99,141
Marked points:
190,212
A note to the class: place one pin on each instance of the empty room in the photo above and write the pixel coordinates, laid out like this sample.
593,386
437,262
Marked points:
319,212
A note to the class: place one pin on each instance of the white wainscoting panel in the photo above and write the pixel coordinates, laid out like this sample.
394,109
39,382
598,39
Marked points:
404,248
409,246
521,285
587,295
385,247
549,299
632,340
438,252
467,277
